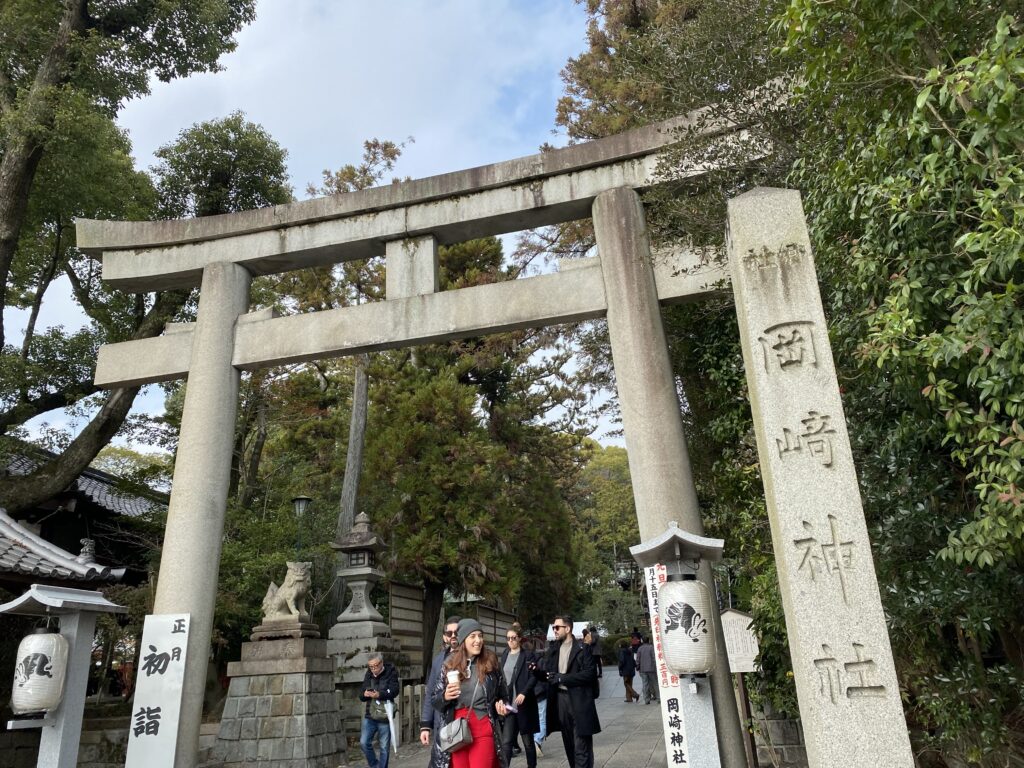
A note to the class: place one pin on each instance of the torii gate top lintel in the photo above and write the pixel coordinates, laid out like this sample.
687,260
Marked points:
538,190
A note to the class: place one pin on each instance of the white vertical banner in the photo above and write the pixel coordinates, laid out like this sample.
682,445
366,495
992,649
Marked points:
153,732
676,745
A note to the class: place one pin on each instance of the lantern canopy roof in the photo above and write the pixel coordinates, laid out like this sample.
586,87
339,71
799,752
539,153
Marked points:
359,538
43,600
676,544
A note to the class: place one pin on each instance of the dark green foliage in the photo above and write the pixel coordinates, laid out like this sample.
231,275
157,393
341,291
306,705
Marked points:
905,138
463,474
65,70
221,166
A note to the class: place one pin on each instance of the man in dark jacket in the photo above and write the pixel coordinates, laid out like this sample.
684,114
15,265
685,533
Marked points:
647,666
380,685
569,670
430,718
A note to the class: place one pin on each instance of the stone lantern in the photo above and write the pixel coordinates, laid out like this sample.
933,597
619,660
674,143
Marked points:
359,549
360,630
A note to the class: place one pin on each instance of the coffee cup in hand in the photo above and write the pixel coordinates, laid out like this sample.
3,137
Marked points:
453,676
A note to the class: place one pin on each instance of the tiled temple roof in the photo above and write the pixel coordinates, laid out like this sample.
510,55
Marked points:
23,552
100,487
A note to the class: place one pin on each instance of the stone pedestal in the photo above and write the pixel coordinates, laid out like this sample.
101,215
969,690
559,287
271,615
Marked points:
350,646
277,629
282,710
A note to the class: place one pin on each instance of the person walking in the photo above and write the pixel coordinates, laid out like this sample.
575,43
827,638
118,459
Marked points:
540,691
430,718
523,717
477,694
569,671
627,670
380,685
647,666
590,639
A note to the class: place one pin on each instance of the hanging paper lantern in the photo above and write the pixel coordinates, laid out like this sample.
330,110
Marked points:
40,673
687,628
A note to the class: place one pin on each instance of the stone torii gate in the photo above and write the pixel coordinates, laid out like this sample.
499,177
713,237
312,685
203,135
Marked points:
843,664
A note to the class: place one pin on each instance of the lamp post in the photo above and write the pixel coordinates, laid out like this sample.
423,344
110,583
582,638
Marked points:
686,633
299,505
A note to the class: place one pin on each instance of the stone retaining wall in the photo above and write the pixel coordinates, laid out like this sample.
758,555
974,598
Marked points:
780,741
18,749
101,746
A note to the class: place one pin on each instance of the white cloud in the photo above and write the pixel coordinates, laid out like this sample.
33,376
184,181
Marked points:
473,82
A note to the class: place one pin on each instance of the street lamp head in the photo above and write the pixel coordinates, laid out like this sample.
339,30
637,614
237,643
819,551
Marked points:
300,504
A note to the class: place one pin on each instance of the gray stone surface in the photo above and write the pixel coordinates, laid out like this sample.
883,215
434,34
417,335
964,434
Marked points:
281,718
261,341
842,662
547,188
411,267
189,561
659,463
273,629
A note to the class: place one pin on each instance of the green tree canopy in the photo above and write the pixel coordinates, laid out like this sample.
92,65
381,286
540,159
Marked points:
65,69
220,166
903,133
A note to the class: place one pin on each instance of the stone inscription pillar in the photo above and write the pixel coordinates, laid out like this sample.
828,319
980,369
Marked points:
845,679
659,463
189,563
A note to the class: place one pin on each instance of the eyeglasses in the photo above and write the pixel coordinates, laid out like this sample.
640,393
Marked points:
559,626
453,633
375,666
512,639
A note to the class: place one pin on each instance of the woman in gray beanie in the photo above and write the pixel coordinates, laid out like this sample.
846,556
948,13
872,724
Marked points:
478,695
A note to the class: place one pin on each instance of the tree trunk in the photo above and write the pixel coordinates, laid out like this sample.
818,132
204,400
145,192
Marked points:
37,301
246,410
253,465
23,492
353,468
356,440
23,150
433,604
26,491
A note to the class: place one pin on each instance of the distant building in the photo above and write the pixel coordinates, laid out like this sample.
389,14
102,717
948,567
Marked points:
92,533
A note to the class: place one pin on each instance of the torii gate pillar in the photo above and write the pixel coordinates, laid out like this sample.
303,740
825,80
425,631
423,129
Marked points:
202,471
659,462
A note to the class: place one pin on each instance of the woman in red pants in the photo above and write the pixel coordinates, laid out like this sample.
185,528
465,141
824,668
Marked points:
477,694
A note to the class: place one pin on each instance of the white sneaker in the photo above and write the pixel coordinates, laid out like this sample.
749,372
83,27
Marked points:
540,752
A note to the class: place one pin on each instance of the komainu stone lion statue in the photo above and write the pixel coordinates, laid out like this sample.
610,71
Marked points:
288,600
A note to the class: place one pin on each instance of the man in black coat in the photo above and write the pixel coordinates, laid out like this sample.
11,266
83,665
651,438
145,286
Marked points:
571,675
430,718
380,685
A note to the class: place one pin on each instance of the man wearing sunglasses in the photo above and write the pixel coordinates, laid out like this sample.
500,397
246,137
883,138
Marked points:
568,667
430,718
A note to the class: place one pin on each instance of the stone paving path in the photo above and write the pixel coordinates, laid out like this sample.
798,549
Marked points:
630,737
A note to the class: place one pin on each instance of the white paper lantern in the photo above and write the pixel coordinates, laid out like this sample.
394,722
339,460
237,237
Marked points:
687,626
40,673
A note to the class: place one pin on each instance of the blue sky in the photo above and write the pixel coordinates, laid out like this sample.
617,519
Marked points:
471,81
